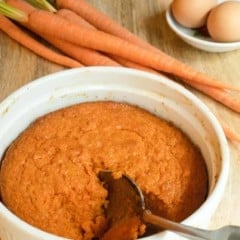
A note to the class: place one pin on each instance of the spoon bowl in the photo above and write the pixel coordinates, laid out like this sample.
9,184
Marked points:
126,200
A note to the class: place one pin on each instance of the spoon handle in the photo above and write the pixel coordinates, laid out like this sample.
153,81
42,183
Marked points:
190,232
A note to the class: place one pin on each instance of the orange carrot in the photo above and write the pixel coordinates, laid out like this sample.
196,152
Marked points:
98,40
24,39
220,95
77,19
47,23
106,24
99,59
130,64
101,41
87,56
102,21
74,18
230,134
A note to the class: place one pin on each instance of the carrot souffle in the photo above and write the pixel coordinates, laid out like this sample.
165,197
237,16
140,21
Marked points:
49,174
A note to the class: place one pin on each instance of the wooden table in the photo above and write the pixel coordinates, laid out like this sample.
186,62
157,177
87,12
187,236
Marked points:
19,66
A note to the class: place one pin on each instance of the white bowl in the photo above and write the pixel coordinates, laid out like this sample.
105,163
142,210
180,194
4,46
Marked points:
196,40
155,93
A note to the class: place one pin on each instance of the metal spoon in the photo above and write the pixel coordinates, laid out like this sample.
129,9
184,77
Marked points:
125,197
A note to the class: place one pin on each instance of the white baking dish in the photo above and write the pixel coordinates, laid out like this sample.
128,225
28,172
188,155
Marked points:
154,93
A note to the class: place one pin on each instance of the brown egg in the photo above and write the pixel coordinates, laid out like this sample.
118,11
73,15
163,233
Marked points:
192,13
224,22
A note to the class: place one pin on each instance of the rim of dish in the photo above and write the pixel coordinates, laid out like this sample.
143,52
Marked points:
223,145
176,27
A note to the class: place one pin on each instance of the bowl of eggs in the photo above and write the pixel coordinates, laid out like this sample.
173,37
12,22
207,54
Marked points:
212,26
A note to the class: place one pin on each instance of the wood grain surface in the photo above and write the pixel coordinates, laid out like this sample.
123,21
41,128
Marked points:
19,66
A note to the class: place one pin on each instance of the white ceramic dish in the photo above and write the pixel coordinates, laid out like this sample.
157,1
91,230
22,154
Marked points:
154,93
196,40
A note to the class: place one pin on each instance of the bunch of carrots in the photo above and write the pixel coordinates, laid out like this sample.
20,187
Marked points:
87,37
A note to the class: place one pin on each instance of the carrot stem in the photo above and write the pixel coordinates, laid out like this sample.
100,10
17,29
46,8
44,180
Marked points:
12,12
42,4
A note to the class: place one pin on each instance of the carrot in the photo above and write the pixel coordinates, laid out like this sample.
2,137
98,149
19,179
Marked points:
47,23
101,41
100,59
77,19
215,93
12,13
130,64
102,21
74,18
221,96
106,24
113,45
230,134
87,56
24,39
